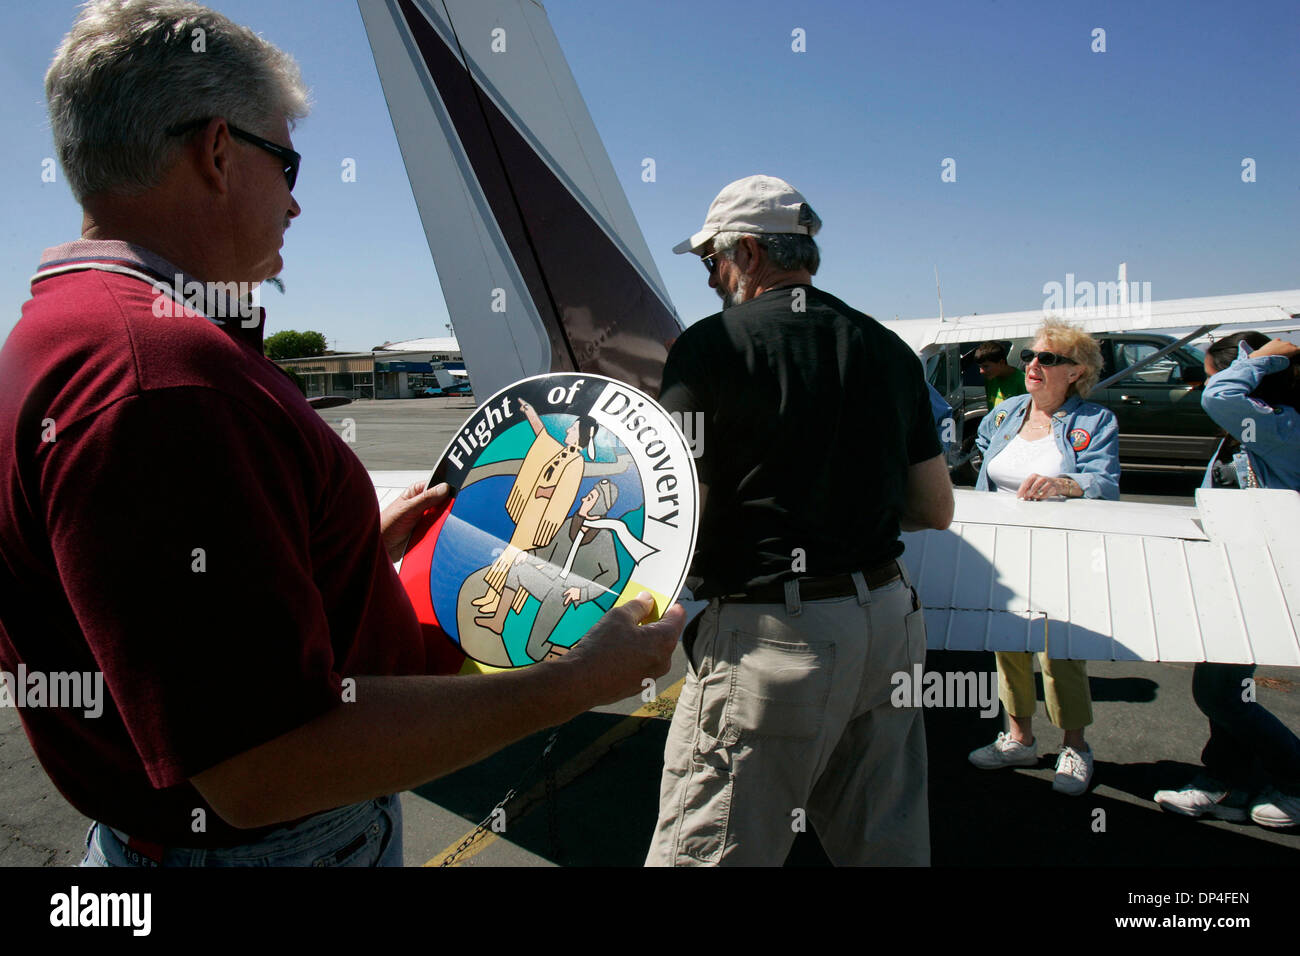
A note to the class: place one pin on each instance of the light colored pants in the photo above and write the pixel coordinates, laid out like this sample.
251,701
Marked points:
1065,688
785,720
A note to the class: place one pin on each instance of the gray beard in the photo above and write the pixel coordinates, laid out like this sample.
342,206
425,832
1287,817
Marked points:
740,295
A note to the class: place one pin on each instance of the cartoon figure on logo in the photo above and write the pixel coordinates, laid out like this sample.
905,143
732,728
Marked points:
573,568
543,493
578,566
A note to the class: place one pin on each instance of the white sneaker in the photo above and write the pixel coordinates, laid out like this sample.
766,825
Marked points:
1006,751
1073,771
1205,796
1276,809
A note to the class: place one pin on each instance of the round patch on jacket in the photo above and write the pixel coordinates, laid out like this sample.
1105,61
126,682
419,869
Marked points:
998,419
1079,439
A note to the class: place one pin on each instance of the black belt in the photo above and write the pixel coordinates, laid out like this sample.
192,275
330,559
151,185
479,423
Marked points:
820,588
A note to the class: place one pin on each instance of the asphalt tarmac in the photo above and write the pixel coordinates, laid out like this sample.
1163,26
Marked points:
592,799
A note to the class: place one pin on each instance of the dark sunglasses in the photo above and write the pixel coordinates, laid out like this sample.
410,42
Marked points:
710,263
291,159
1046,359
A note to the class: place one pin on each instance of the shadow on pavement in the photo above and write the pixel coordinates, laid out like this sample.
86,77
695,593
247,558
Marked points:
603,814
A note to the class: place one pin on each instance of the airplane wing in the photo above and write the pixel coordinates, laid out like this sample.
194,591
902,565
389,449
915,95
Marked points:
540,258
1101,580
1115,580
389,485
1265,311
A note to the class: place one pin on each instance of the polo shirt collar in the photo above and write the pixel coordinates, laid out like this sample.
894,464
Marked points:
116,255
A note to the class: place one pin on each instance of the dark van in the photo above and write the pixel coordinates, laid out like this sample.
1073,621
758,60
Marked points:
1162,427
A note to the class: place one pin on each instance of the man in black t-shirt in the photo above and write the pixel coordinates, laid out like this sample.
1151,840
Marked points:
820,449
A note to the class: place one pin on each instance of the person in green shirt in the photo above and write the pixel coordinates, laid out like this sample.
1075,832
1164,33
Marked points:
1001,381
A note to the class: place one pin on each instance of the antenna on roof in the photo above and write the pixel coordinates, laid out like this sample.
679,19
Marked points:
938,290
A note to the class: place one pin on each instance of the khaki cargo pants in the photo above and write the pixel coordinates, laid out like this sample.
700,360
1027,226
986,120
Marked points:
785,721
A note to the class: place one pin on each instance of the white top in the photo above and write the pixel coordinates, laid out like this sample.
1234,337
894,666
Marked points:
1020,459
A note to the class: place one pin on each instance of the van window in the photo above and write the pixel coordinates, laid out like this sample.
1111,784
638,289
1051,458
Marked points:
939,374
1163,371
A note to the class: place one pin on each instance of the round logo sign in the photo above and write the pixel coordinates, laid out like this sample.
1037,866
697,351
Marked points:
1079,439
573,494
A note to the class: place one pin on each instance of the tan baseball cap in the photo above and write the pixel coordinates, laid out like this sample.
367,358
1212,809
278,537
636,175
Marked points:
755,204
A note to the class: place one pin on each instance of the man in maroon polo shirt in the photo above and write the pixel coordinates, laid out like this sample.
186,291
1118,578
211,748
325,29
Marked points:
178,523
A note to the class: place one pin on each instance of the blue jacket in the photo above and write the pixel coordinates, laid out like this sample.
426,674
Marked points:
942,413
1086,433
1270,436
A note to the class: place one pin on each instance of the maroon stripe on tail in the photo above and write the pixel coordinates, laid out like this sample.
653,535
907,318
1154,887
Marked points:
599,312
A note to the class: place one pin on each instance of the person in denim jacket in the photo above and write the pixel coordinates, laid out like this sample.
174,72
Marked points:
1049,444
1249,391
1252,760
1092,468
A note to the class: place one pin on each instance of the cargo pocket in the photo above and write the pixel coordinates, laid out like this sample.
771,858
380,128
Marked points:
706,804
778,689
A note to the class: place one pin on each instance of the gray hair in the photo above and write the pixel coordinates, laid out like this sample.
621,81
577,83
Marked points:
789,251
131,69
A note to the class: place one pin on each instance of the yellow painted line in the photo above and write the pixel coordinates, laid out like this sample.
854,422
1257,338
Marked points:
579,764
485,839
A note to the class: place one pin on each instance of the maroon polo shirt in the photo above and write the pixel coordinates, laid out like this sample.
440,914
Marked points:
174,515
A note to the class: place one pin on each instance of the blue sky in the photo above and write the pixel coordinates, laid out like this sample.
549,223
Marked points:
1067,161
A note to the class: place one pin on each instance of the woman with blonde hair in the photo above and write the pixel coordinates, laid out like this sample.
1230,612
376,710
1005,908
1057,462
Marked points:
1049,444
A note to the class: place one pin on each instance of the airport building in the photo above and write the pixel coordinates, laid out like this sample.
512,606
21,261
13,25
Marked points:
410,369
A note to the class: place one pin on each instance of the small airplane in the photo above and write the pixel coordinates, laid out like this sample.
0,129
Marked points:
545,269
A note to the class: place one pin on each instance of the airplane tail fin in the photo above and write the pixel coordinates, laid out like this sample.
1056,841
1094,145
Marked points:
541,261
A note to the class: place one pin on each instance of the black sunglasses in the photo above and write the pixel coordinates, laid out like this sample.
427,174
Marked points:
1046,359
291,159
710,263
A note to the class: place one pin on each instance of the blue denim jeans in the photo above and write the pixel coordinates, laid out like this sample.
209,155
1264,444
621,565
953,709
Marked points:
1248,747
363,834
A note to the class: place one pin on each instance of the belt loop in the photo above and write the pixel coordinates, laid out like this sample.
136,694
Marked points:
907,583
792,605
864,593
902,572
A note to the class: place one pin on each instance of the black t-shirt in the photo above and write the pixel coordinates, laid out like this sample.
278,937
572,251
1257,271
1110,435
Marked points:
810,421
